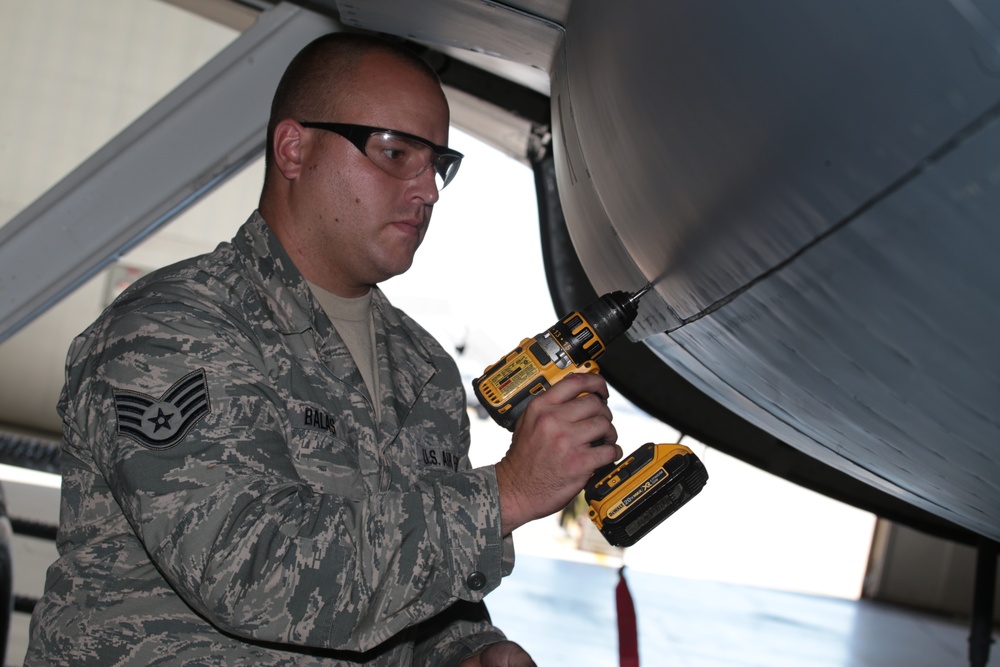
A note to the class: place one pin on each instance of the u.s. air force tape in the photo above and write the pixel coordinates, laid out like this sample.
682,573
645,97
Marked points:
160,423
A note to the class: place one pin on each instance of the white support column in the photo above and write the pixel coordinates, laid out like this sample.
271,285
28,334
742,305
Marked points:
201,133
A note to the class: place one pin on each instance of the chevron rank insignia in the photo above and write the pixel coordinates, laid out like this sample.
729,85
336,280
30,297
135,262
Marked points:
160,423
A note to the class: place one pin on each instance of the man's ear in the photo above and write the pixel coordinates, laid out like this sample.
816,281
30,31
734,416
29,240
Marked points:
288,153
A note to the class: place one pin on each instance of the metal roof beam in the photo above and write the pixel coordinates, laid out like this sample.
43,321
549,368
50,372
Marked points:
201,133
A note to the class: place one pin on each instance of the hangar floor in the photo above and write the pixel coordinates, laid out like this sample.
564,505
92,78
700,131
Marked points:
559,601
563,613
559,604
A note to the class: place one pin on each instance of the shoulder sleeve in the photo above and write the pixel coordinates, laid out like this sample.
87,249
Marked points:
187,430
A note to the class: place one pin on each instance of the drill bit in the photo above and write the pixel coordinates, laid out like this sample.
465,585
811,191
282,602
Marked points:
638,295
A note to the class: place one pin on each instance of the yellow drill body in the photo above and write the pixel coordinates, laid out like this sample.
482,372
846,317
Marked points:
648,485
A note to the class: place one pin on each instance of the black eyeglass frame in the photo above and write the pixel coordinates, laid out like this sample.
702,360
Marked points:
359,134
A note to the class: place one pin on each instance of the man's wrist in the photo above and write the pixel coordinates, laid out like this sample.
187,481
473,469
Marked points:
511,514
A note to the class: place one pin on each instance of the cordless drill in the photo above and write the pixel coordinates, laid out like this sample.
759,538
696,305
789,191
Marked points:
627,499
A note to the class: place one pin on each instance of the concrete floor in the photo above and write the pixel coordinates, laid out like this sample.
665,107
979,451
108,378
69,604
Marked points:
563,613
559,605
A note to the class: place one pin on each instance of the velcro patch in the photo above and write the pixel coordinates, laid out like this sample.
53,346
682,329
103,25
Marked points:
160,423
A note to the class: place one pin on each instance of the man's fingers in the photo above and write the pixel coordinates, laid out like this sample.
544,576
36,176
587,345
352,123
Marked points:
575,384
605,455
500,654
586,407
564,435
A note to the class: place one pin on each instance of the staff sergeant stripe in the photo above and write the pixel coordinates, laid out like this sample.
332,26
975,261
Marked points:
162,423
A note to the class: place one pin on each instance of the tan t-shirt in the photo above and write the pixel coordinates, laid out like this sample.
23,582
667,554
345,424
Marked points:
355,323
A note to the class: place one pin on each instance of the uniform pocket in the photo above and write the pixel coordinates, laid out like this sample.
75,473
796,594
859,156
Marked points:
327,463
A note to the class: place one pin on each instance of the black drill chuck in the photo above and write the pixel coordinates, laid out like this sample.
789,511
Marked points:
584,336
613,313
570,346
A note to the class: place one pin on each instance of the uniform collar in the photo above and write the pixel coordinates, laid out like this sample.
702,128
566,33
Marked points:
282,288
405,364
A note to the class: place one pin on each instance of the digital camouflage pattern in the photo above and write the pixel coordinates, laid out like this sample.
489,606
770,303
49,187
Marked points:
228,498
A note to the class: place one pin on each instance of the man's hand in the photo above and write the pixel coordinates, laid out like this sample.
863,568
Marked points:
552,455
500,654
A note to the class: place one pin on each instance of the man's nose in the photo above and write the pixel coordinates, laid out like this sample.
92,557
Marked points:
426,186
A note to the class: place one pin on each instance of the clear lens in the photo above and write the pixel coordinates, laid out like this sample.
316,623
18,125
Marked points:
399,157
406,159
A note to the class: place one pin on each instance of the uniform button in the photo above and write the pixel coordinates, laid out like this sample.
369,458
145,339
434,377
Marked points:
476,581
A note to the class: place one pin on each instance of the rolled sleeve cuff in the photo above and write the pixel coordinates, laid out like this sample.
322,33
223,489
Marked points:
478,556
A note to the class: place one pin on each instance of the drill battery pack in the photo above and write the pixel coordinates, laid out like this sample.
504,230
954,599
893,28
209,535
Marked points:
651,484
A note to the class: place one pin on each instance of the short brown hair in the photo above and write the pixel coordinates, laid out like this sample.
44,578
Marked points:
321,75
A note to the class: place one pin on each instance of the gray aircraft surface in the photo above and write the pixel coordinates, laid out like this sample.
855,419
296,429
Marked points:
812,188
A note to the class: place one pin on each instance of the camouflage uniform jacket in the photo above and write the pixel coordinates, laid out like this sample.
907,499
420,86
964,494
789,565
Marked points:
228,498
